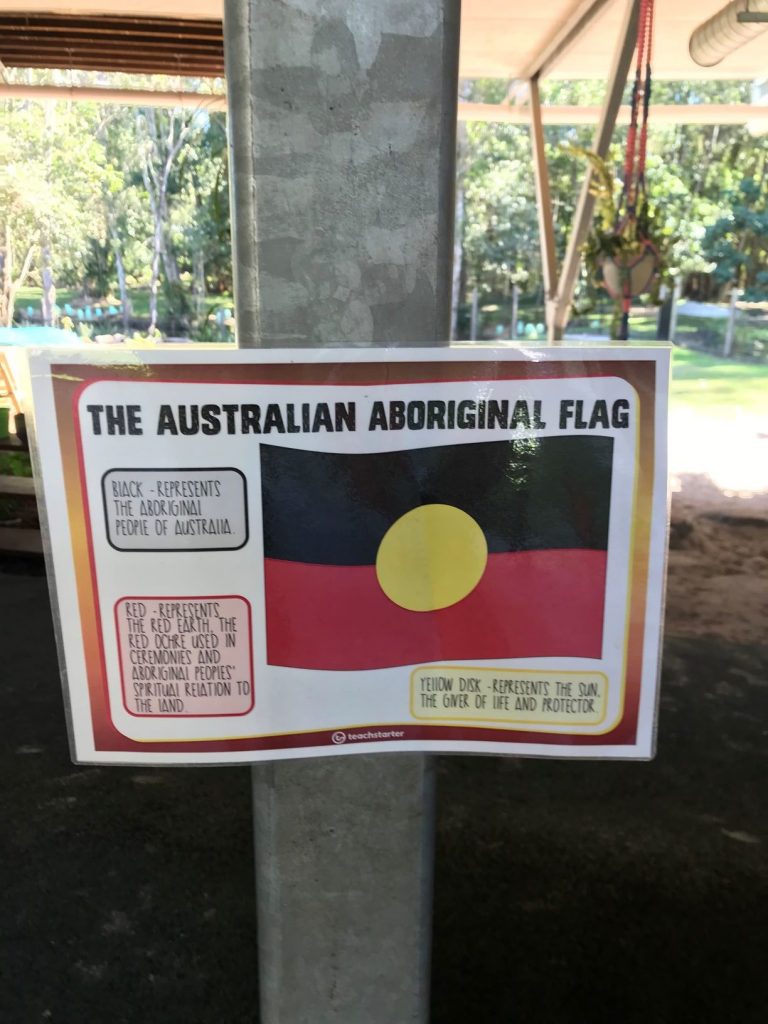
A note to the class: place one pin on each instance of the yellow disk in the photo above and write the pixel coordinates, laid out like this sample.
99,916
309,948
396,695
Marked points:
432,557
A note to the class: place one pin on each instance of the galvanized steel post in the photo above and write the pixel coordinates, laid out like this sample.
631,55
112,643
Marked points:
342,126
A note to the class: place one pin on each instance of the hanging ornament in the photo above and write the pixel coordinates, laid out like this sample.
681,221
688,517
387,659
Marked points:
633,266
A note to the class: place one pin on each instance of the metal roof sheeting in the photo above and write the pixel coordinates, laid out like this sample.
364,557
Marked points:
499,38
167,46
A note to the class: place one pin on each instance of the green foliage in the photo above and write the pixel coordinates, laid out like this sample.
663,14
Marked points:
500,226
15,464
613,235
500,229
72,175
693,179
50,168
737,243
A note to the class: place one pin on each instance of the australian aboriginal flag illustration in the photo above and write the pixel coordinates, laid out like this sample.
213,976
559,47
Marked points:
476,551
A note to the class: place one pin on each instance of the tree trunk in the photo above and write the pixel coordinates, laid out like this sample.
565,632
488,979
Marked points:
125,302
154,281
170,265
198,284
174,293
49,285
9,286
458,256
46,255
458,247
175,296
159,157
157,248
6,287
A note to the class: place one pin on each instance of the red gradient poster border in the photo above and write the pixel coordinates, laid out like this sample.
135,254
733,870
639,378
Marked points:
70,380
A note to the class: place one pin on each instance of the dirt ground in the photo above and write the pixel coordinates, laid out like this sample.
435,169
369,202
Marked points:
718,564
565,892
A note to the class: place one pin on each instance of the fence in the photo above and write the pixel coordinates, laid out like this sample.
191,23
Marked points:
739,331
748,333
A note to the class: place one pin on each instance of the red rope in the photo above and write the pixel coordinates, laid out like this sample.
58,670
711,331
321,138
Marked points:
636,147
629,159
634,160
646,94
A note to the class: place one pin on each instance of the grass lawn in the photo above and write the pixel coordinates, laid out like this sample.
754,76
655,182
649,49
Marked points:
720,387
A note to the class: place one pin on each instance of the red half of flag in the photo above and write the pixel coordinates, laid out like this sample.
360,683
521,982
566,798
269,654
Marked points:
529,604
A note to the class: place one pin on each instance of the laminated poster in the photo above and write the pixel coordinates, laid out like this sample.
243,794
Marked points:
272,554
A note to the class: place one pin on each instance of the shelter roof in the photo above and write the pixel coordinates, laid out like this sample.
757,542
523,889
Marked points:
498,39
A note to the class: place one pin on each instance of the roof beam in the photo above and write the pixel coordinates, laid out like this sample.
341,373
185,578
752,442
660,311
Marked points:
576,22
543,202
663,113
582,217
125,97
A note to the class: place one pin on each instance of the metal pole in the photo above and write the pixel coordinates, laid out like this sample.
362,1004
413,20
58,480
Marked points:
458,248
342,126
543,209
473,316
582,217
515,307
730,330
662,318
677,290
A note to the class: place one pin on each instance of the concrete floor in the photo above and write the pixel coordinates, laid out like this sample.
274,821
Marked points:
565,892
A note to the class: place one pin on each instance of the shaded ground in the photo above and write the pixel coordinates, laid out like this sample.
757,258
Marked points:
565,892
572,892
125,891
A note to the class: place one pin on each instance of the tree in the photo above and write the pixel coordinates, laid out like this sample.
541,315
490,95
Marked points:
500,224
126,214
50,169
200,215
161,135
694,176
18,198
101,198
737,243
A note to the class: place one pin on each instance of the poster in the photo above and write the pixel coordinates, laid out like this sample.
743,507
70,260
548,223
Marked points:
279,554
